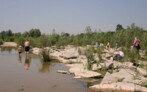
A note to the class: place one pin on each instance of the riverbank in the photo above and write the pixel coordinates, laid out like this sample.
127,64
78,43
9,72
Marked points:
115,75
118,76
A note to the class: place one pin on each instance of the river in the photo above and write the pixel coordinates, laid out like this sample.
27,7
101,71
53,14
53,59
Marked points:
21,74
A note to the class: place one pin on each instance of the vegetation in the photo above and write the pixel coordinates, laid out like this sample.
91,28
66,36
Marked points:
124,37
46,56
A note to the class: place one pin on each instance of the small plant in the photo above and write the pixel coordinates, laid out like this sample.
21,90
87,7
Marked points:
90,58
121,79
46,56
79,51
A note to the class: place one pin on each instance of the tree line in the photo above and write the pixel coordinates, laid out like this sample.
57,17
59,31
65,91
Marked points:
124,37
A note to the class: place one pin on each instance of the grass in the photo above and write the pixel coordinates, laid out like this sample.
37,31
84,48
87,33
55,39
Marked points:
46,56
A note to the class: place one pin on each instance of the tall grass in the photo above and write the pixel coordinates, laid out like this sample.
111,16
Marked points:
45,55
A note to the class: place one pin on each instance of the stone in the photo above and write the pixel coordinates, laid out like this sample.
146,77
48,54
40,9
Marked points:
87,74
101,44
70,53
36,51
142,62
95,67
9,44
107,65
76,68
119,86
126,74
108,78
62,72
142,71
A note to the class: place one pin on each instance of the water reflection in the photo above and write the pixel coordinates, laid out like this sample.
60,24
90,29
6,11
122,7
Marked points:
45,67
19,58
9,49
27,63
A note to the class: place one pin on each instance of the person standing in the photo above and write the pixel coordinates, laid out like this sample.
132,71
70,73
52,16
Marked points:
108,46
19,52
136,43
116,45
97,44
27,47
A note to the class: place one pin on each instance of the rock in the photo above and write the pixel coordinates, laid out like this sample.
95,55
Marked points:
9,44
95,67
124,65
61,71
119,86
70,53
82,59
77,77
107,55
81,50
126,74
89,46
116,64
73,60
127,65
76,68
142,53
69,65
101,44
96,57
87,74
142,71
107,65
36,51
142,62
108,78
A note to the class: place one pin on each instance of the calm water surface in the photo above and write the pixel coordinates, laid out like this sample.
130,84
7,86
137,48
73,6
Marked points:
21,74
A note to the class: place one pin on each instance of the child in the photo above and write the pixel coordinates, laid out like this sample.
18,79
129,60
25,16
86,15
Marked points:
20,50
108,46
97,44
116,46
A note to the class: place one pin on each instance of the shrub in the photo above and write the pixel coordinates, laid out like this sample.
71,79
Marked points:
46,56
1,41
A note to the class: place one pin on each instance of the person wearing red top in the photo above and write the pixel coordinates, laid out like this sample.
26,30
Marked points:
136,43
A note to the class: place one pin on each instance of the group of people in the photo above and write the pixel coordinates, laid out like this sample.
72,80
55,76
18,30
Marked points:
27,47
118,54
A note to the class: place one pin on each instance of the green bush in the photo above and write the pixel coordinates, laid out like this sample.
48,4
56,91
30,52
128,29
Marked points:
10,39
1,41
21,41
46,56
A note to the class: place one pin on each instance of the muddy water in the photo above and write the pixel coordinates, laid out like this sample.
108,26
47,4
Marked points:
21,74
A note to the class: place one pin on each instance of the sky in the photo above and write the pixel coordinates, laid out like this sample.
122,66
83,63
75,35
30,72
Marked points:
71,16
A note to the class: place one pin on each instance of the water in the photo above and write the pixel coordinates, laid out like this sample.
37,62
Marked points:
21,74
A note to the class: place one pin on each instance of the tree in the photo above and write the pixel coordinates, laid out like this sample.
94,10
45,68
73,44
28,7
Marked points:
119,27
88,29
26,34
9,33
35,33
54,31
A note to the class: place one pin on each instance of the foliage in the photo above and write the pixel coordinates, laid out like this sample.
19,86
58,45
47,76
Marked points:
119,27
10,39
46,56
90,58
1,41
20,41
124,37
